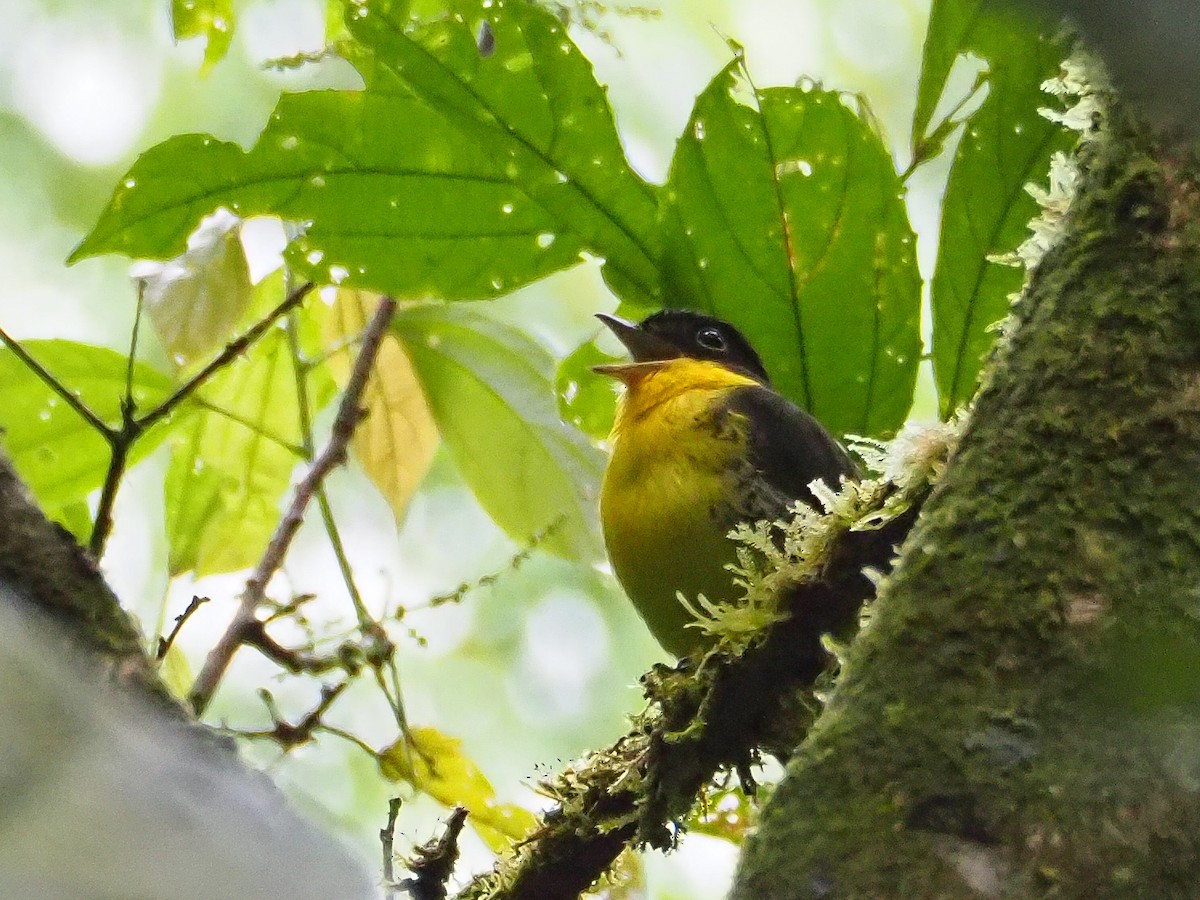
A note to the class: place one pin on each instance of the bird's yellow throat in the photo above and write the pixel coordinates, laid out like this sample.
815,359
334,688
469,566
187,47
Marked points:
667,486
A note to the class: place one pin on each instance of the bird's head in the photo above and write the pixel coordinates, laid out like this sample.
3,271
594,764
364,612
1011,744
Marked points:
681,334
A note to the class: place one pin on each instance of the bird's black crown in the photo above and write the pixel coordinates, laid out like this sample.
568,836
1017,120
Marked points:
701,336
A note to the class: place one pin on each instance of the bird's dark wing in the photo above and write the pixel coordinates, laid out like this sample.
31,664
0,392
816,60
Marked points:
788,449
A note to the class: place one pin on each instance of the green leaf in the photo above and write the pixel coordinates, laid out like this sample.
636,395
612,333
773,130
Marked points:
986,210
950,24
212,20
231,466
531,101
55,451
76,518
784,215
455,173
335,21
491,390
586,401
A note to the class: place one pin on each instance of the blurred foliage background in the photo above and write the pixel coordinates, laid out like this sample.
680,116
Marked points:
528,668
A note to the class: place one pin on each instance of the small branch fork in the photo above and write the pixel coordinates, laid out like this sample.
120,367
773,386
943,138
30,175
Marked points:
349,413
122,438
287,735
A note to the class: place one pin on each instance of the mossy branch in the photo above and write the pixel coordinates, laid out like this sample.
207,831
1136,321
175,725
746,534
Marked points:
719,712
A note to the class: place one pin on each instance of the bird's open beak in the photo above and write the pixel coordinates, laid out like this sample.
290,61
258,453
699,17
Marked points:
642,345
647,350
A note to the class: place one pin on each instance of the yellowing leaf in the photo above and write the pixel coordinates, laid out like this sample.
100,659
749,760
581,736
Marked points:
397,441
433,763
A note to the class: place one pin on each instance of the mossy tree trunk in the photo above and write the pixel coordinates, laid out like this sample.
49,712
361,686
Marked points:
1022,716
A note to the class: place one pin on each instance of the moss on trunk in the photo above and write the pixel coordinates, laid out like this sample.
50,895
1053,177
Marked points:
1022,716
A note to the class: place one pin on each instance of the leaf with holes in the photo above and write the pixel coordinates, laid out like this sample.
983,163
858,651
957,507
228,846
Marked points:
784,215
508,77
459,172
212,20
491,390
950,24
986,210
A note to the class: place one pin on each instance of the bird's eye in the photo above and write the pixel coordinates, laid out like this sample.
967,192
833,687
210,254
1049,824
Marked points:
710,339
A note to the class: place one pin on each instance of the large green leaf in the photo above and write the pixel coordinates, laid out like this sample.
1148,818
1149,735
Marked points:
986,210
58,454
491,390
232,463
530,100
784,215
459,172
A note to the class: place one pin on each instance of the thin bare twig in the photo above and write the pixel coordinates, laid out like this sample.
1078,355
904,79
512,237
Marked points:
164,644
233,349
128,407
387,837
351,739
121,440
300,370
348,657
120,444
334,454
380,649
335,538
55,385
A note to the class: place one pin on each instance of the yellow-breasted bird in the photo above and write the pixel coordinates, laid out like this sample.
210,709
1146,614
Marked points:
701,442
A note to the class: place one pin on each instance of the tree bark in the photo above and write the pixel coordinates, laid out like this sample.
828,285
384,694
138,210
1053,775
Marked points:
43,564
1021,716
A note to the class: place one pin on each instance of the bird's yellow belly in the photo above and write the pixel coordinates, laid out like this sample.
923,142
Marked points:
664,505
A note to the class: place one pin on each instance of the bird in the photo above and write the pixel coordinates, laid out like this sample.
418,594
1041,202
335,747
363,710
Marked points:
700,443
